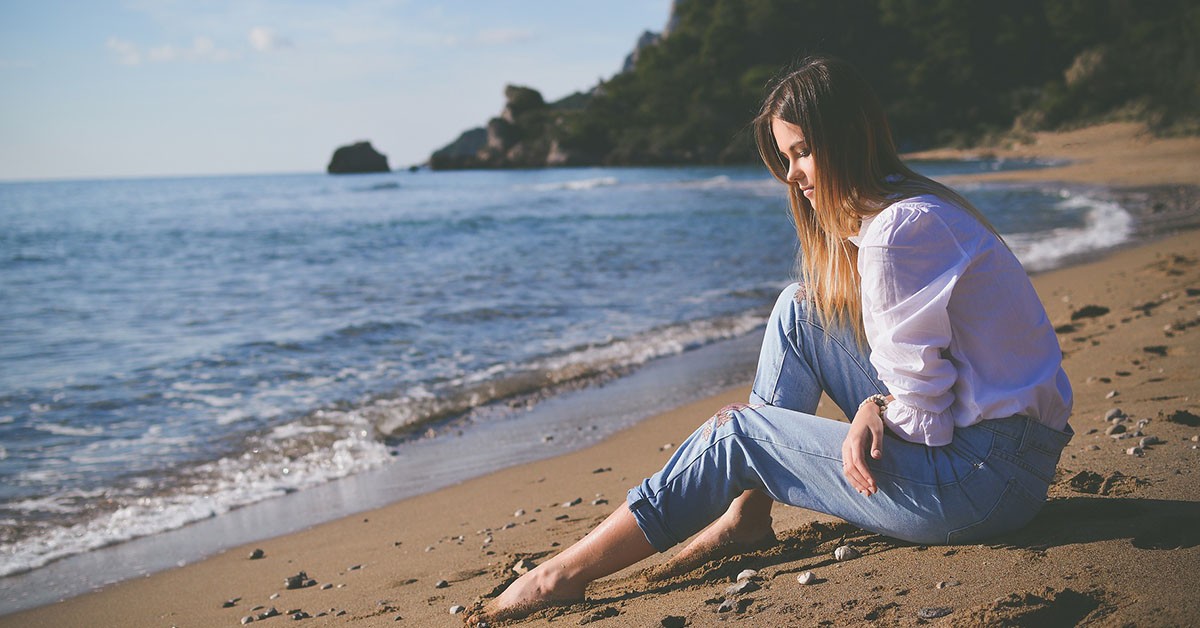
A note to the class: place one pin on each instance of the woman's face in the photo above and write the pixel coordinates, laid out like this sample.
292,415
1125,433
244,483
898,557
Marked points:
797,154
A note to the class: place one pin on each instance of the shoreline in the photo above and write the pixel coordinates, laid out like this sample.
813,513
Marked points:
437,519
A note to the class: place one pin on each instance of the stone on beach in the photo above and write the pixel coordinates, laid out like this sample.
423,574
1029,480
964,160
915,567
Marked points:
523,566
298,581
746,574
573,502
933,612
742,586
257,554
806,577
845,552
456,609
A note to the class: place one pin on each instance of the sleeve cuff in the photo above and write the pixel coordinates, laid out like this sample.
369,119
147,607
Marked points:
932,429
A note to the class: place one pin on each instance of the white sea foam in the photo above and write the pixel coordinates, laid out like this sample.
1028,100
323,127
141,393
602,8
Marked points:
67,430
1106,224
212,488
578,184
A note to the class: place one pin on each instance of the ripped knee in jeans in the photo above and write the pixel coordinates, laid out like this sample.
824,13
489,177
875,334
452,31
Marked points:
725,415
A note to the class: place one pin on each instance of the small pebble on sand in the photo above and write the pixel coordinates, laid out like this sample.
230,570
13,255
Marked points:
1115,429
523,566
327,586
666,446
742,586
1111,394
519,513
1093,448
247,619
441,584
573,502
1113,414
845,552
933,612
746,574
257,554
456,609
1135,451
806,577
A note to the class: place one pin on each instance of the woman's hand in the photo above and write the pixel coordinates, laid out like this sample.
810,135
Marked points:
866,434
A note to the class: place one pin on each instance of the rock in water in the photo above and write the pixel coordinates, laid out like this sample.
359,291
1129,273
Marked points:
357,158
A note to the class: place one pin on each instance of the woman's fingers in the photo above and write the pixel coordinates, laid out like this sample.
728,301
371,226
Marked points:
854,465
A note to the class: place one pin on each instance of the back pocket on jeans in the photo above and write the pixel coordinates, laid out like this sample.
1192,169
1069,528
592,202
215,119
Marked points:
1015,508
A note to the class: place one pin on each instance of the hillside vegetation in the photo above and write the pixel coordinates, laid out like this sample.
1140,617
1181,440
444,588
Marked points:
948,71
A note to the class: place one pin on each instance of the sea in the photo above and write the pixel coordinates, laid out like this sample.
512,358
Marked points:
191,363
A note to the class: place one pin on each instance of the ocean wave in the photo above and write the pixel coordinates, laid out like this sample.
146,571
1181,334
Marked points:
67,430
1106,224
290,458
422,407
578,184
319,447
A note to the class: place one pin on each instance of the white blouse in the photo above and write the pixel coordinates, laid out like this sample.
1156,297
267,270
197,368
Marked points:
956,331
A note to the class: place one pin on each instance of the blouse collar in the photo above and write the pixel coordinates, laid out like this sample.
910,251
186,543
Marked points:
862,230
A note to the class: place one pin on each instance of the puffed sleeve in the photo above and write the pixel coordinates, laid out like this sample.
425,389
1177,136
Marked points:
909,261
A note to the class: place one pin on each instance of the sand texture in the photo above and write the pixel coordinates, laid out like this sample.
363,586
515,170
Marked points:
1117,544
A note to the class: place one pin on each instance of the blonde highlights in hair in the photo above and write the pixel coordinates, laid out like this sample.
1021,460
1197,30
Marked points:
855,159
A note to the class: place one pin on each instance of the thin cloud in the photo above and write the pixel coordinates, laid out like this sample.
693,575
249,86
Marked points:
264,39
202,49
127,51
503,36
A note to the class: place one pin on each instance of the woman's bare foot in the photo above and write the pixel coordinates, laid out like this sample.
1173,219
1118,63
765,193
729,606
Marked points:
745,527
613,545
530,593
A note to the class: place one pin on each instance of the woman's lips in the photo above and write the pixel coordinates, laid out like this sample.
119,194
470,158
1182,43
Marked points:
808,192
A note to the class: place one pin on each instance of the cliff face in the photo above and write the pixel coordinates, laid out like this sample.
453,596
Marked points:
528,133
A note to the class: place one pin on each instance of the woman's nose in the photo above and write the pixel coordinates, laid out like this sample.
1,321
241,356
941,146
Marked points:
794,173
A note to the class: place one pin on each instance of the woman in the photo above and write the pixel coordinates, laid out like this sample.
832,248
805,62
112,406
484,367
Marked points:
914,317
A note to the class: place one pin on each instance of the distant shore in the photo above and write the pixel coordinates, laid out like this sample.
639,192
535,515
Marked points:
1118,543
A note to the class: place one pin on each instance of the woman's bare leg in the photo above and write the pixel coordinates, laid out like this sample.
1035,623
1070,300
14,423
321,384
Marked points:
745,526
613,545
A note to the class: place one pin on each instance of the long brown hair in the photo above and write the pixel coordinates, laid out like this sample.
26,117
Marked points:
854,158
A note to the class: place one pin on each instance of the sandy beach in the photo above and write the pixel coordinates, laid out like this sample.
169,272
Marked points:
1117,544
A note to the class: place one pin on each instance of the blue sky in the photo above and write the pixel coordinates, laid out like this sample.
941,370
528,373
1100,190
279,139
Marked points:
170,87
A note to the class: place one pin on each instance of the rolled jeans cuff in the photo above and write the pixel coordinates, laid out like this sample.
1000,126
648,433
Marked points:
649,521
